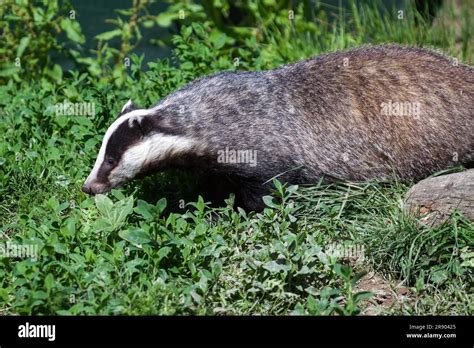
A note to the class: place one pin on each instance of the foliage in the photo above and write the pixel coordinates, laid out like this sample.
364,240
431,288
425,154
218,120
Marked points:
29,34
135,251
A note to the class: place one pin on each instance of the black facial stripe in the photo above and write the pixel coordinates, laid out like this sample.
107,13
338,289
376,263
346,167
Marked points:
123,138
104,171
164,122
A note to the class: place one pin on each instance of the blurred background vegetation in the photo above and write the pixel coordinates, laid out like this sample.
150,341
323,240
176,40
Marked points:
126,254
44,39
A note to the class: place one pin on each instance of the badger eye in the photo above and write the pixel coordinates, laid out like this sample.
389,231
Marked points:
110,160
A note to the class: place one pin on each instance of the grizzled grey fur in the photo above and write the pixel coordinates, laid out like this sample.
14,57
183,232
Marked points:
332,116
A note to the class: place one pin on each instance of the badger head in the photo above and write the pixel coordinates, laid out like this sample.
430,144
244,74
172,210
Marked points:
136,142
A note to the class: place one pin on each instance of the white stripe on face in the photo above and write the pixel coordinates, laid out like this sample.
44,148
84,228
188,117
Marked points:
154,148
100,157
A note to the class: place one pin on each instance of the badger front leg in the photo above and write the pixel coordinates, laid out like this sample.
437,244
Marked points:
249,195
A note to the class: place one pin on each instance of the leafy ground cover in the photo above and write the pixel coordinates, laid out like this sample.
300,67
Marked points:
155,247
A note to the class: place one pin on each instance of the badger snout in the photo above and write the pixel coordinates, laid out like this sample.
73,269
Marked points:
87,189
94,188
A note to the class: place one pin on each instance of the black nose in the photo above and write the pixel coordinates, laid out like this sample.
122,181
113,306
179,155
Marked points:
87,189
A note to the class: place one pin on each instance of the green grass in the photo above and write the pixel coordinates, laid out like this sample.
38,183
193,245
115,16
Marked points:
136,251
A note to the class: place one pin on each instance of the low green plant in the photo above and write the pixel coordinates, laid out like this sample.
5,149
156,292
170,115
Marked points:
139,250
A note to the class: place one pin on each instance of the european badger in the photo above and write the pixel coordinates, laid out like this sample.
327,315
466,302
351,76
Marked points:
381,112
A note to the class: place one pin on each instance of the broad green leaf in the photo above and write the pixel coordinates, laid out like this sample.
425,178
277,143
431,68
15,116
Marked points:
108,35
275,267
49,282
268,200
145,209
104,204
187,66
121,210
22,46
161,205
163,252
137,237
56,73
8,69
217,39
73,30
165,19
39,295
439,276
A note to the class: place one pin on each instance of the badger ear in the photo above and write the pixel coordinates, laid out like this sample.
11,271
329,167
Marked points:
127,107
143,123
136,122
